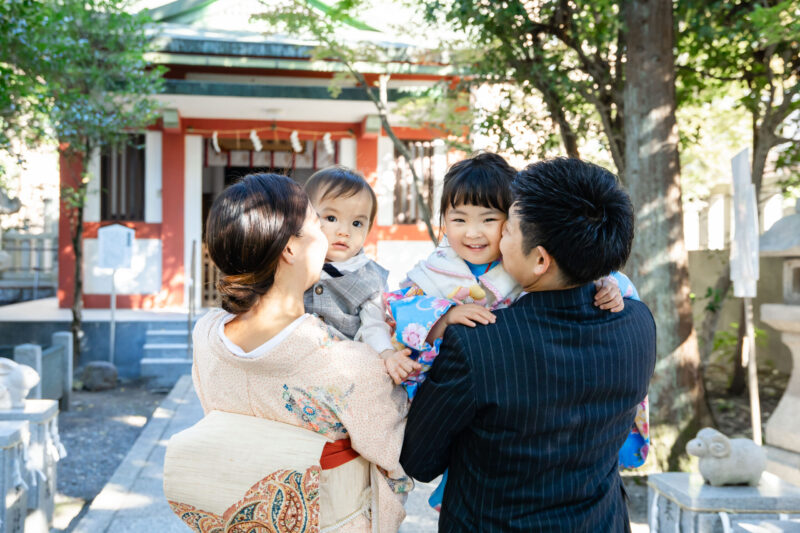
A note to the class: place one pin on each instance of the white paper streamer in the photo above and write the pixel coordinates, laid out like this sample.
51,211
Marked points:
383,83
215,142
257,146
327,143
295,138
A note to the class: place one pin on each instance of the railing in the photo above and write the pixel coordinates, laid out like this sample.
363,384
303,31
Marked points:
54,366
33,258
209,277
406,208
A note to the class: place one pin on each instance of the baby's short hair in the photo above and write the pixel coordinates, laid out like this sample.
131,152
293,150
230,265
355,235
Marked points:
340,182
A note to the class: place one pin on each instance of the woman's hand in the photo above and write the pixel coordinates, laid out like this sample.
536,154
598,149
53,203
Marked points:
608,295
469,314
399,365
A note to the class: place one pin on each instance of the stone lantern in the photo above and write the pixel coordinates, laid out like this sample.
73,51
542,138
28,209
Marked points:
783,427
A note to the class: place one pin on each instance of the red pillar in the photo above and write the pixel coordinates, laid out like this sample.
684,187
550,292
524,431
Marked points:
69,176
367,164
172,176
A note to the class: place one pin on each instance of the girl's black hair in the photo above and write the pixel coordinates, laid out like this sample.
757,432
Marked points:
483,180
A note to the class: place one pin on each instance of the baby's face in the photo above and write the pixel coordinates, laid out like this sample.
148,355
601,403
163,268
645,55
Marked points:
345,222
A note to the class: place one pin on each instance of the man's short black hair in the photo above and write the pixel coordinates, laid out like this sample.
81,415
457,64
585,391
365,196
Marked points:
579,213
483,180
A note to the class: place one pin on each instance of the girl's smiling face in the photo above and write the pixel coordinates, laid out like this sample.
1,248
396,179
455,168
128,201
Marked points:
474,232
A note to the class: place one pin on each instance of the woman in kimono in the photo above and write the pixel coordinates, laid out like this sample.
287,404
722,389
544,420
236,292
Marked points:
261,355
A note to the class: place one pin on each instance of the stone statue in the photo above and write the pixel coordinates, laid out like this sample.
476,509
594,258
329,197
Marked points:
725,461
15,382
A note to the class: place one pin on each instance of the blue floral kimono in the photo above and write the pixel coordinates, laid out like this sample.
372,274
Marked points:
443,280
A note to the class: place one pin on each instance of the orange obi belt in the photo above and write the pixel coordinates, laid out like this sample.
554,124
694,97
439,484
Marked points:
337,453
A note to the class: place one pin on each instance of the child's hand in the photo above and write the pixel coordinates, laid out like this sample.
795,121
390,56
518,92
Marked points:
399,365
608,295
469,315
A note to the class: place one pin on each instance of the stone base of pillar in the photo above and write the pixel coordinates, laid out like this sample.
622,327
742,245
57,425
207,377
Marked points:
783,463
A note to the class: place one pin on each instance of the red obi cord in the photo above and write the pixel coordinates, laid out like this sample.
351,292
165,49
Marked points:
337,453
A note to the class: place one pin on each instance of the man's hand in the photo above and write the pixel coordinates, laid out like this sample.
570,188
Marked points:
608,295
469,315
399,365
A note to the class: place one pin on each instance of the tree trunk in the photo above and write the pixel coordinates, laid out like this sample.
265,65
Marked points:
659,261
556,111
77,302
711,318
738,382
568,136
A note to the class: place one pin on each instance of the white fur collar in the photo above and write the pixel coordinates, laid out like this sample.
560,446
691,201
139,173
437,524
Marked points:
446,275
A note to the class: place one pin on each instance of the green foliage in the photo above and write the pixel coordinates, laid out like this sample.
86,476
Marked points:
107,86
76,73
568,54
752,48
715,299
24,98
726,343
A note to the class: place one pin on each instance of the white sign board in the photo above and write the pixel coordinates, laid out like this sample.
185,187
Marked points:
744,245
114,246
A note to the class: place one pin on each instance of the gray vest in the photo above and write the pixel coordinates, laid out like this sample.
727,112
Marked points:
337,301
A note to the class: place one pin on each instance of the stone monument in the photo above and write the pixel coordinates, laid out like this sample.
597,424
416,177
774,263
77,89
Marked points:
682,502
16,381
12,483
783,429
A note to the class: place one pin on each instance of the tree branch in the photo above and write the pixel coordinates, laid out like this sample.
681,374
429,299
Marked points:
383,113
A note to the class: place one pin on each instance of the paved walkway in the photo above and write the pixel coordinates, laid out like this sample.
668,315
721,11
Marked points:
133,500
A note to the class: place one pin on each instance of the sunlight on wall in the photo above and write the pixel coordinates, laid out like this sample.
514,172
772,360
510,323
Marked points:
773,211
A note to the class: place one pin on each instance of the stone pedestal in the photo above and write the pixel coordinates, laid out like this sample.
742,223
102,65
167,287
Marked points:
44,450
12,484
783,428
680,502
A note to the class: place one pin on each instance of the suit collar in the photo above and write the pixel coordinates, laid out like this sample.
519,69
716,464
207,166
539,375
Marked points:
574,297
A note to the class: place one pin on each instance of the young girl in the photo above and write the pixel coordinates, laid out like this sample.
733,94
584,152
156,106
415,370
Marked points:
463,280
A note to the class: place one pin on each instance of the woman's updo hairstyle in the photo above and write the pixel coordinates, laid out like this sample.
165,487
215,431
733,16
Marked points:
247,229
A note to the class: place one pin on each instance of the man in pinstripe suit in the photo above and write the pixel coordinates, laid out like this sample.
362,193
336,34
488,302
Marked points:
528,413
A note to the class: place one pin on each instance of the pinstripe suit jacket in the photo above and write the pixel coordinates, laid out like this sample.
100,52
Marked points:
529,414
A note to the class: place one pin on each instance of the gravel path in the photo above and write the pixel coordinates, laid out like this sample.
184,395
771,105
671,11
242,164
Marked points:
97,432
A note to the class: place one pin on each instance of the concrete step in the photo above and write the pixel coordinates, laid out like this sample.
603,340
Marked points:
166,336
166,350
164,373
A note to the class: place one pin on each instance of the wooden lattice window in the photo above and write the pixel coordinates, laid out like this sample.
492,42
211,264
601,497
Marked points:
122,181
406,208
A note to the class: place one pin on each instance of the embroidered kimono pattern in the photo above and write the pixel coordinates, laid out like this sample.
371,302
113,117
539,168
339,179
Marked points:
286,501
338,389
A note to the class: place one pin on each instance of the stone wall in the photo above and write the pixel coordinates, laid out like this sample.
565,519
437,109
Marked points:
130,340
704,268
